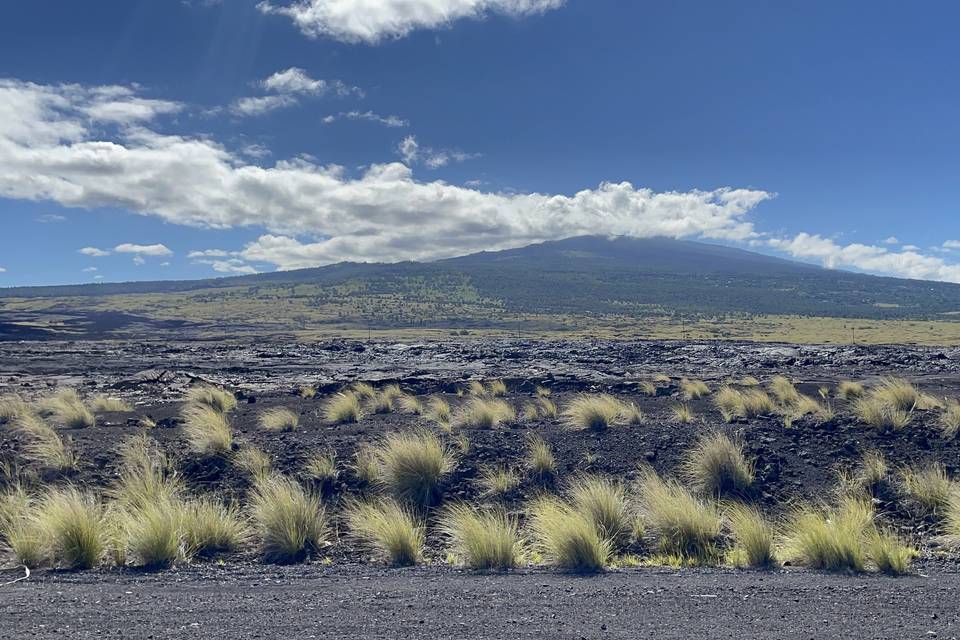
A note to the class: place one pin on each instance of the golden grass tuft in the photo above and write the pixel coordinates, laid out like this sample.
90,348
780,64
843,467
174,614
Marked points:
210,527
685,526
366,466
145,475
496,389
930,486
548,409
212,397
410,404
388,528
498,480
438,410
693,389
106,404
757,402
897,393
307,392
278,419
683,414
950,419
540,461
413,466
783,390
43,446
343,408
289,521
603,501
72,522
529,413
875,412
647,388
153,533
592,413
483,413
385,400
889,552
872,470
322,468
717,466
833,538
849,390
542,392
476,388
11,406
729,402
67,409
753,537
363,390
254,462
484,540
567,538
632,415
207,430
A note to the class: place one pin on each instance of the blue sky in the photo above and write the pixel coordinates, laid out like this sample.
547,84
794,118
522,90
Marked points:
188,139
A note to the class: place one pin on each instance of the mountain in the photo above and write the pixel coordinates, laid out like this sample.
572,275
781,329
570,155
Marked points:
551,282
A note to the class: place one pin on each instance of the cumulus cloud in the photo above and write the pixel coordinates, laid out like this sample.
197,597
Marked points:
229,265
892,240
93,252
904,263
156,250
412,152
369,116
951,245
285,86
370,21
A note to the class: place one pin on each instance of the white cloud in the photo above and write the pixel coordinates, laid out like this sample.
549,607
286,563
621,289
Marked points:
49,218
371,21
951,244
143,249
138,260
229,265
208,253
93,252
2,270
412,152
89,269
259,105
892,240
284,87
369,116
904,263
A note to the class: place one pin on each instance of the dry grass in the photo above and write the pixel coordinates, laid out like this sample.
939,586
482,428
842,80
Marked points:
483,413
385,400
307,392
496,389
540,461
254,462
821,411
438,410
390,529
43,446
106,404
11,406
567,538
783,390
951,517
833,538
889,552
603,501
729,402
875,412
413,466
872,471
683,414
647,388
631,414
153,533
289,520
366,466
748,381
950,419
548,409
278,419
210,527
753,536
930,486
72,523
410,404
849,390
693,389
67,409
497,480
716,466
542,392
897,393
685,526
322,468
363,390
484,540
476,388
343,408
592,413
529,413
212,397
207,430
145,475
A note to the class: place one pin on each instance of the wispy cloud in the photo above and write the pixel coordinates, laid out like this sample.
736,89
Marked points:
51,218
369,116
412,152
285,89
93,252
371,21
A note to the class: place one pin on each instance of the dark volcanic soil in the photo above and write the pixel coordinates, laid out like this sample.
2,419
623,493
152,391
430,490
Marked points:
240,597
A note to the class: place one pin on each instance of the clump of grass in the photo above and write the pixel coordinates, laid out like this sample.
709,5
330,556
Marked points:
388,528
279,419
67,409
413,466
384,401
685,526
542,392
930,487
106,404
322,468
951,516
530,413
73,523
11,406
212,397
891,554
145,475
831,539
567,538
366,466
462,443
716,465
483,539
547,408
693,389
757,402
874,411
748,381
289,520
496,389
343,408
729,402
950,419
783,390
753,537
897,393
254,462
483,413
849,390
307,392
647,388
363,390
604,502
540,461
872,472
592,413
29,542
153,533
43,446
410,404
438,410
211,527
207,430
806,405
683,414
632,415
498,480
476,388
15,504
